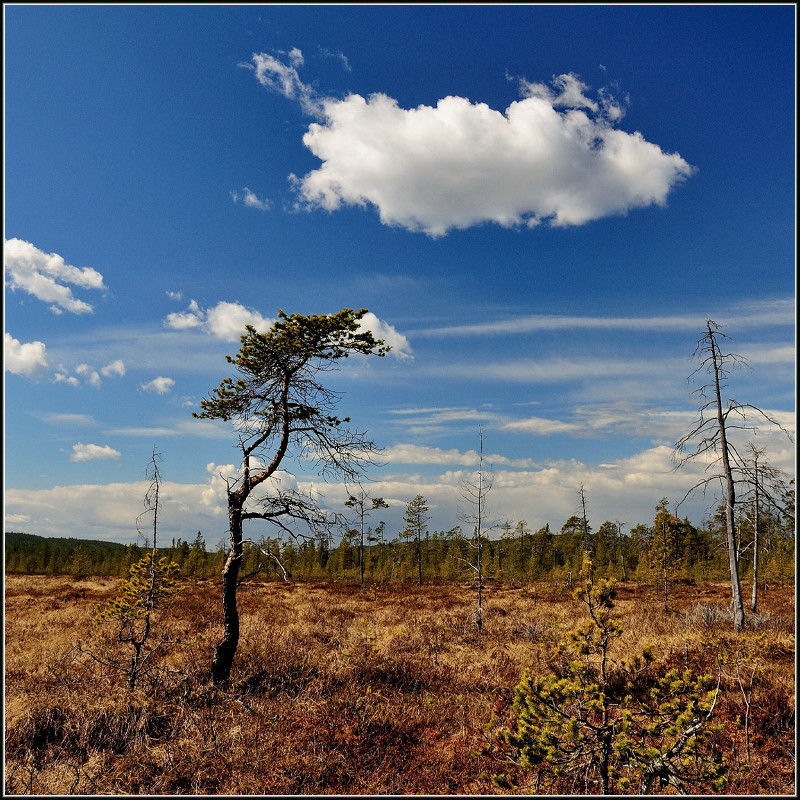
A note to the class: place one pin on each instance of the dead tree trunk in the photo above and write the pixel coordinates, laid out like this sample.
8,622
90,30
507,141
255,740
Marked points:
756,522
737,603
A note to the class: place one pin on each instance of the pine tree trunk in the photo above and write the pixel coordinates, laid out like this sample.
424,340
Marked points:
226,649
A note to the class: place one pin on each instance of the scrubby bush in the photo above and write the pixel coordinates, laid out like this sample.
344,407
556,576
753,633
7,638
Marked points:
602,726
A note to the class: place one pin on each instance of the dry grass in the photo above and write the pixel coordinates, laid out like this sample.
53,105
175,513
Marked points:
341,691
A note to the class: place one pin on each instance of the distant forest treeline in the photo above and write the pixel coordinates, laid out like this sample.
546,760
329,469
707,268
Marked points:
669,546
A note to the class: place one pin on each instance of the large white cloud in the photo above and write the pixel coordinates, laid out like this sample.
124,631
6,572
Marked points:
44,275
553,156
26,359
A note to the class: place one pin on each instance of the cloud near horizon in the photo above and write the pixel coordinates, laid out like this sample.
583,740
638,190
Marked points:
546,493
553,157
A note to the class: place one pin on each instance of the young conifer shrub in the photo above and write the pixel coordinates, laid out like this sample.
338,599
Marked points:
151,585
598,725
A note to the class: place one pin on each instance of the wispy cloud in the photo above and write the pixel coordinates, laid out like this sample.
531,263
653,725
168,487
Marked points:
553,157
558,370
48,277
430,421
71,420
607,419
773,313
207,429
283,78
251,200
418,455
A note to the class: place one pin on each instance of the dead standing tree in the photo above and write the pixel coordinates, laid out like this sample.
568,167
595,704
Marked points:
765,484
474,514
281,409
710,437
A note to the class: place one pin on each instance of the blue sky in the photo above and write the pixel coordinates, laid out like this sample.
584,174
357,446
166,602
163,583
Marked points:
539,205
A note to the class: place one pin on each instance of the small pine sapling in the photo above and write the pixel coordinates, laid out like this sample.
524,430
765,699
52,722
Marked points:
602,726
151,585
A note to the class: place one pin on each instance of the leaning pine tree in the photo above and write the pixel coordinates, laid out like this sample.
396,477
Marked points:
280,409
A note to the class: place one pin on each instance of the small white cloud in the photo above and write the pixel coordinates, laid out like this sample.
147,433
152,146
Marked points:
114,368
160,385
90,375
383,330
175,295
543,427
251,200
182,320
92,452
44,275
63,377
87,374
27,359
225,320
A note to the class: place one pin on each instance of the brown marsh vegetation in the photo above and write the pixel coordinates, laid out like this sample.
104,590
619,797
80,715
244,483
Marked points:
338,690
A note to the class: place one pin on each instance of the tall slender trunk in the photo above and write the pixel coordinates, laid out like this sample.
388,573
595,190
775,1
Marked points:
479,598
361,555
226,649
756,515
419,556
730,494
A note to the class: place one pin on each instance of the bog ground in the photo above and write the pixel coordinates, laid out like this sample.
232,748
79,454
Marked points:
338,690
